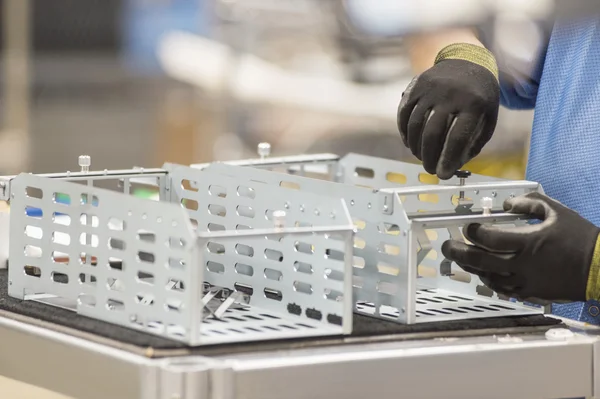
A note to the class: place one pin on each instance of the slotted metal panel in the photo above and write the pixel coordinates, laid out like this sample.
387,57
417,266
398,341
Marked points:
306,273
380,274
107,254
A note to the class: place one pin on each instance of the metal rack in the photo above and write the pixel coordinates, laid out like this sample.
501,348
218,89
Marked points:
402,217
254,250
178,269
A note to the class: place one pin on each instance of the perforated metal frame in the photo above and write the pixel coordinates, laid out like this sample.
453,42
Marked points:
401,224
140,264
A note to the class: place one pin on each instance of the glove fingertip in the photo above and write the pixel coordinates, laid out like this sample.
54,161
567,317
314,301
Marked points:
444,173
447,249
508,205
470,230
451,249
429,168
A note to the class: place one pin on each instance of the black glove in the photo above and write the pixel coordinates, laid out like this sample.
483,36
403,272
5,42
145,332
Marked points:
552,260
448,113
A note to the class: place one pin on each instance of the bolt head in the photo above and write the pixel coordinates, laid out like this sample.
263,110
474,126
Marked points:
462,174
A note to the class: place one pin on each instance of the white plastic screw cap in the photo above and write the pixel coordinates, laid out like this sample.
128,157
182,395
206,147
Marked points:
85,160
487,203
264,149
279,218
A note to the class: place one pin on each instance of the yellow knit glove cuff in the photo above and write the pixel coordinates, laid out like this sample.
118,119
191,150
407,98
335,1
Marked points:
469,52
593,284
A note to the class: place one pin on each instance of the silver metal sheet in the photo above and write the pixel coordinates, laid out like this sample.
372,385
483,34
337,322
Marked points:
517,366
502,367
73,366
106,268
437,305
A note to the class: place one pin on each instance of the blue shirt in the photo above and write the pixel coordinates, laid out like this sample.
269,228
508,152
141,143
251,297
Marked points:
564,89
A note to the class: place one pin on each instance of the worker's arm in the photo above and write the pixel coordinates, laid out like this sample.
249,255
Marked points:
557,259
449,111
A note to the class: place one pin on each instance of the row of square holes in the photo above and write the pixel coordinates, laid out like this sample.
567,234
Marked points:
394,177
60,198
276,275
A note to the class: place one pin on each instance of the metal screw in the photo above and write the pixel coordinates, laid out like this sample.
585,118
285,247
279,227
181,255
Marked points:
287,205
462,176
352,202
332,215
317,212
369,205
301,208
84,162
494,194
264,150
279,219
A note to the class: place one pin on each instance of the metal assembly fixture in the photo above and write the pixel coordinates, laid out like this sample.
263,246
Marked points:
253,250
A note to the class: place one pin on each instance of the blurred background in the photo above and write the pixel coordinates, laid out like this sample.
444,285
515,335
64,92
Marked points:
141,82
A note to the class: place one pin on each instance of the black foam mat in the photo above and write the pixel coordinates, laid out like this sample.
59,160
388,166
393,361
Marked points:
363,326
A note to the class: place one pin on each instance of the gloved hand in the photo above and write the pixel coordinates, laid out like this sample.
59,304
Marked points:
556,260
448,113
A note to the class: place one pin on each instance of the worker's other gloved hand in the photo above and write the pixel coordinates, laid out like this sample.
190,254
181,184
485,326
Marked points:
556,260
449,112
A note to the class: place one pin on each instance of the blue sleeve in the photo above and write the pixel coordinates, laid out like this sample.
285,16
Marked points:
519,91
519,82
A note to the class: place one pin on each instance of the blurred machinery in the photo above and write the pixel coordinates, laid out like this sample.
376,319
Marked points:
335,89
